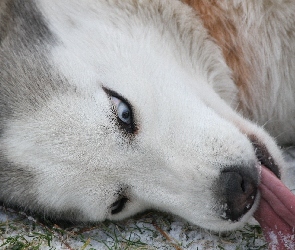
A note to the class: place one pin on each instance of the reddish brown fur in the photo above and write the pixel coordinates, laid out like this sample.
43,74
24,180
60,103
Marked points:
223,30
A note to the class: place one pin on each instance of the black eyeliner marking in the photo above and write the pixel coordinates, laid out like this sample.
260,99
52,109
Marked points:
119,205
129,128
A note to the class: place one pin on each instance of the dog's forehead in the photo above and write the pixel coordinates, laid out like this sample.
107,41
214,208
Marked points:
97,50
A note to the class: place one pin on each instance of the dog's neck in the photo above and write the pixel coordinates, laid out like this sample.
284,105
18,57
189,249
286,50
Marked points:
257,41
223,29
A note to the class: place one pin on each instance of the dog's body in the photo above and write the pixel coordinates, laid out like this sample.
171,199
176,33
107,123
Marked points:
112,107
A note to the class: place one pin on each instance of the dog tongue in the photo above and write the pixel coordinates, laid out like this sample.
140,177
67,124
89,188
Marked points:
276,212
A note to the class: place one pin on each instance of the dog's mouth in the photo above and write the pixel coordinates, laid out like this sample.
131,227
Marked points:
264,157
241,187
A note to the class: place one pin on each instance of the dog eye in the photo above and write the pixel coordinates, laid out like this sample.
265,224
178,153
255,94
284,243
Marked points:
118,206
123,110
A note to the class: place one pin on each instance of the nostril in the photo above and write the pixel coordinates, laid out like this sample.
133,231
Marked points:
243,186
237,188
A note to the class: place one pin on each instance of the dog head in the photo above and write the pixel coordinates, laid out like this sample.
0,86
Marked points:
117,107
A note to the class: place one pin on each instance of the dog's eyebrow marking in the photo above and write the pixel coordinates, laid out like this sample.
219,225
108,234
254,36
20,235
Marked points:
129,128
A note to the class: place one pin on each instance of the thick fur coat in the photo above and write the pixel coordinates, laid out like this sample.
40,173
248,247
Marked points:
111,107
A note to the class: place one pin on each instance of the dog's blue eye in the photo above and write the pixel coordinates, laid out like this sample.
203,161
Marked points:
123,110
124,113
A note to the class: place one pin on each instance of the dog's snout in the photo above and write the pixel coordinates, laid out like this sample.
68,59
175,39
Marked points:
238,188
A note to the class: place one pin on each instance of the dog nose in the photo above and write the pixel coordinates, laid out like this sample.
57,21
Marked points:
238,188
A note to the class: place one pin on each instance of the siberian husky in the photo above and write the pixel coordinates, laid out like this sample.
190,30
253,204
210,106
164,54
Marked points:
111,107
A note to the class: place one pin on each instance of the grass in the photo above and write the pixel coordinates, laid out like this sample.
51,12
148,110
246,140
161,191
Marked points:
148,231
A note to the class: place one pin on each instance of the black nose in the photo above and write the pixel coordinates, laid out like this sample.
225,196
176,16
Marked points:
237,191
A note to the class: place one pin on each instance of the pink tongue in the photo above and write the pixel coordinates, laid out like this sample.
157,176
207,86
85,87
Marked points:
276,212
